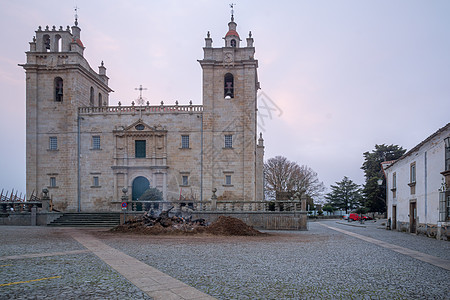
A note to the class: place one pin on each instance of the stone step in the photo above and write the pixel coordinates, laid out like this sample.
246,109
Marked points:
84,218
83,225
87,220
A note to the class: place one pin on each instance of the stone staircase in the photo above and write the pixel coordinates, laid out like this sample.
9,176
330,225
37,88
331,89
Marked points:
87,220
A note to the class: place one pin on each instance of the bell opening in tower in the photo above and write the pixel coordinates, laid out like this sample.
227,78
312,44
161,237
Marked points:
228,86
58,89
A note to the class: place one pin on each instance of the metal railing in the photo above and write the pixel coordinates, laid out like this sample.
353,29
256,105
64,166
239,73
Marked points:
11,202
12,206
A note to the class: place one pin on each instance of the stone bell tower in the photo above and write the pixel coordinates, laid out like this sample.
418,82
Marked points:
59,80
230,85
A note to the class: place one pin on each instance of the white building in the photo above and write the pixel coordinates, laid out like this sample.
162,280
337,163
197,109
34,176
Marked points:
418,187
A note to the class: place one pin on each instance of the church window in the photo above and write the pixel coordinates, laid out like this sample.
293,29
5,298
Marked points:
185,141
53,143
58,83
140,127
95,181
228,86
139,148
227,179
91,97
52,181
46,43
185,180
96,142
228,141
233,43
100,100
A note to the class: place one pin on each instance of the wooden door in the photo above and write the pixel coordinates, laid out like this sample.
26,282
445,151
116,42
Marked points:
412,217
394,217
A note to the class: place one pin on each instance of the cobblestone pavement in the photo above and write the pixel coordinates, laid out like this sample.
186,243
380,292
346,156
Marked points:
71,276
320,263
418,242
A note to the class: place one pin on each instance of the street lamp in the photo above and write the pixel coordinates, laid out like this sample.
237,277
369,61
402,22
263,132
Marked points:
380,183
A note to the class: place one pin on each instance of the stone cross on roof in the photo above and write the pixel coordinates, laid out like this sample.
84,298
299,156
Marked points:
140,89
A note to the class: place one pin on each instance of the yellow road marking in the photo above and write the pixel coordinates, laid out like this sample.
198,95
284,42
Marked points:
18,282
4,266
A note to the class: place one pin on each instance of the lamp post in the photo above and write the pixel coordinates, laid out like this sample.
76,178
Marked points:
380,183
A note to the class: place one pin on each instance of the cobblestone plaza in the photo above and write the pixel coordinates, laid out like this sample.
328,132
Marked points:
329,261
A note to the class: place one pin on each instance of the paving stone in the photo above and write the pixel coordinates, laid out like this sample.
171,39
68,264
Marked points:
317,264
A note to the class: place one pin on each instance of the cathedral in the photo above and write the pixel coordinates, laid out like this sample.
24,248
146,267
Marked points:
85,151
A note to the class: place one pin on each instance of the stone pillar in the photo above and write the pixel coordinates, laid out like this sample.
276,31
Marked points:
303,201
33,215
165,187
124,198
45,201
214,199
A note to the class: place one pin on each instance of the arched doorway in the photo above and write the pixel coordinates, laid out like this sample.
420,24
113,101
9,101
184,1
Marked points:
140,185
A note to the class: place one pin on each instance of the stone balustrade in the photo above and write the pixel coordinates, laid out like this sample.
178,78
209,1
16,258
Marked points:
145,109
217,206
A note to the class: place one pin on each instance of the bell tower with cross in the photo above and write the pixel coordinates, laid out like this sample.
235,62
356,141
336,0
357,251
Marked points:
230,84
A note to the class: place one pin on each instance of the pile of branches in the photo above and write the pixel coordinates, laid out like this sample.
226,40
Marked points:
161,224
164,224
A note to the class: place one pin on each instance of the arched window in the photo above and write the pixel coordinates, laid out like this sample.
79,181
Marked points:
46,40
100,100
228,86
91,97
233,43
58,43
58,88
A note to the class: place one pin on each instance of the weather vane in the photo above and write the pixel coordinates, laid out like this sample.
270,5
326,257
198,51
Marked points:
232,10
140,101
76,15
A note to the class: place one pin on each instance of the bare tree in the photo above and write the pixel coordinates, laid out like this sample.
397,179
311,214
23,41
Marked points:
306,182
284,176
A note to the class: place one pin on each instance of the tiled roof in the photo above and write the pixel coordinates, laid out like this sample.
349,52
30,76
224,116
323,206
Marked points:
232,32
78,41
446,127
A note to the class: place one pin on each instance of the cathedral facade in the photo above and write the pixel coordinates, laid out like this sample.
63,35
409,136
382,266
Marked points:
85,151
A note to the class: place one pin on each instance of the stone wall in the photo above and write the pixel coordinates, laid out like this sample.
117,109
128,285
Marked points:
262,220
439,231
259,220
28,218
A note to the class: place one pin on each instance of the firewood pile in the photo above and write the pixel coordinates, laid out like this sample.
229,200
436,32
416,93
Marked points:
164,224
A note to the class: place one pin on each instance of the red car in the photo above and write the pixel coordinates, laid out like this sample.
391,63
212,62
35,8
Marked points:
356,217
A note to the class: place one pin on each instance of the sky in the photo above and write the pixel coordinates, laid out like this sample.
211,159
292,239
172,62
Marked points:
337,77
